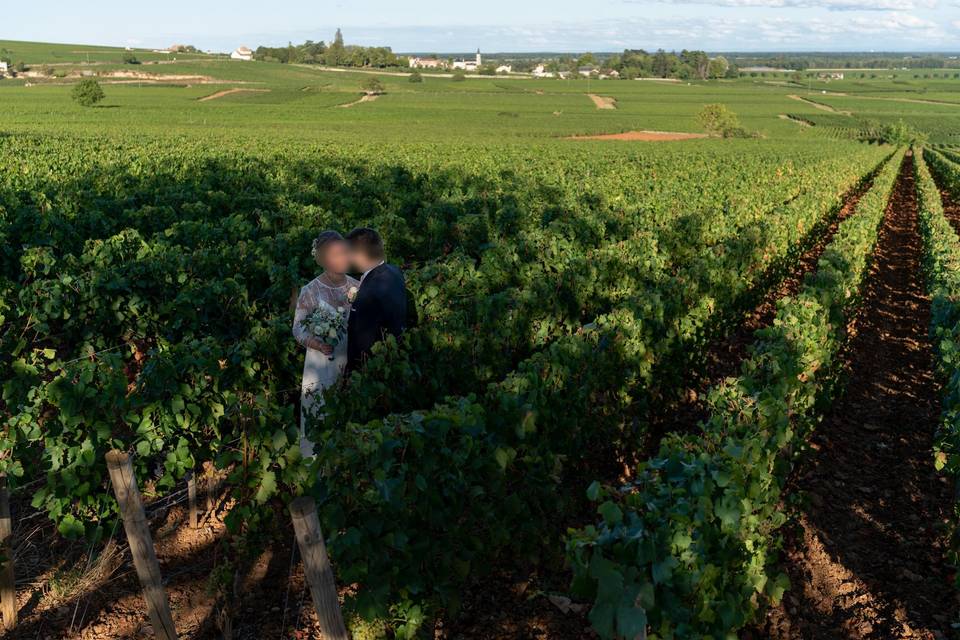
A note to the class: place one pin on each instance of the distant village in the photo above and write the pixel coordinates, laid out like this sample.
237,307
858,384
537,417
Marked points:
476,64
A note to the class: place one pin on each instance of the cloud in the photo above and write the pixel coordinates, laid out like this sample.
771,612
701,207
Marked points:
831,5
750,30
892,30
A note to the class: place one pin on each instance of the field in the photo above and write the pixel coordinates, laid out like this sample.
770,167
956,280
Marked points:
665,389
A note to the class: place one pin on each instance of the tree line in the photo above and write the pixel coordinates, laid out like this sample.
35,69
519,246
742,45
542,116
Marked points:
686,65
802,62
638,63
335,54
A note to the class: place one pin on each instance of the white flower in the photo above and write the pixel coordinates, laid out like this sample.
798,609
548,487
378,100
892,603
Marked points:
340,309
352,294
332,333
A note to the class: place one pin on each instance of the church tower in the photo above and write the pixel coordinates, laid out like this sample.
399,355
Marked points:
479,59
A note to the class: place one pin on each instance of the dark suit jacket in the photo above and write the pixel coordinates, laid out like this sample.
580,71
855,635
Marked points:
380,309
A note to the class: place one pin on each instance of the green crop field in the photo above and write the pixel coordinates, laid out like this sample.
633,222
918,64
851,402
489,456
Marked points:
621,346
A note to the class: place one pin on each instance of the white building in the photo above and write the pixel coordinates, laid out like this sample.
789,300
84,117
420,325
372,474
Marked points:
469,65
541,72
427,63
4,70
242,53
505,68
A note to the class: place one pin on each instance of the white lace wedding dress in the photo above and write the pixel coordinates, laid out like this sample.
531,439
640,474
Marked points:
319,371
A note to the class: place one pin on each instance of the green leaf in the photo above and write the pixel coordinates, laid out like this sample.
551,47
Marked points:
682,540
611,513
593,491
279,439
503,457
721,477
728,511
268,486
778,587
632,622
940,461
663,570
70,527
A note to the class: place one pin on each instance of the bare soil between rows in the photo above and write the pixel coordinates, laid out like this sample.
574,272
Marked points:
865,549
369,97
603,102
643,136
230,92
107,602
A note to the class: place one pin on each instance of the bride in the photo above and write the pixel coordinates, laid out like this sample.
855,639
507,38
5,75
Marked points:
323,363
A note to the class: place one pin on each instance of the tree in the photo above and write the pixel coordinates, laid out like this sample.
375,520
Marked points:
459,76
898,133
372,85
661,65
87,92
718,120
719,67
416,77
336,53
697,62
129,58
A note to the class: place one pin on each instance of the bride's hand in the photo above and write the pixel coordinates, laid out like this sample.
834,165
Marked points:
325,349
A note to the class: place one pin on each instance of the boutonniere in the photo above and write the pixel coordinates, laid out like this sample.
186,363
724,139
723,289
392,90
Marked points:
352,294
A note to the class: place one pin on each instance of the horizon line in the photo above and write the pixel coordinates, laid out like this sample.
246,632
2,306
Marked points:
943,52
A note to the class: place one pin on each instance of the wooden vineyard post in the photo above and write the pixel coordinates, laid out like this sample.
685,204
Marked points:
141,544
8,590
317,569
192,499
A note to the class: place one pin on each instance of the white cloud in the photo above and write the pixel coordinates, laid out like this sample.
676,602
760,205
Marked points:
892,30
710,29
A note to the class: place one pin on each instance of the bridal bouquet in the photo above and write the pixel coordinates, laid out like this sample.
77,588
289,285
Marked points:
327,325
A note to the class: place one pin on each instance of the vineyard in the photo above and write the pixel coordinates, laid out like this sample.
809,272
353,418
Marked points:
633,370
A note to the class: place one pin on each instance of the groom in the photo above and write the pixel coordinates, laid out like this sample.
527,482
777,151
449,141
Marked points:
380,306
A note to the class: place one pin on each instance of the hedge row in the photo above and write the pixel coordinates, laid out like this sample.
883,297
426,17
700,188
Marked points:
942,269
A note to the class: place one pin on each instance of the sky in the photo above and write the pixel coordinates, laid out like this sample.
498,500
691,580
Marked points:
444,26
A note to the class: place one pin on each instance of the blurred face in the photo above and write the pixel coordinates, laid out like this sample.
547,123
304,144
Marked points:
360,260
336,257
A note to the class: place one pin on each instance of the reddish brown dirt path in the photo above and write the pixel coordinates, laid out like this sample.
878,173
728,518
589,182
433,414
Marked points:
865,556
643,136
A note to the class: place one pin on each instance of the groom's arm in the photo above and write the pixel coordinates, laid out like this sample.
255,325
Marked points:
367,324
393,311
